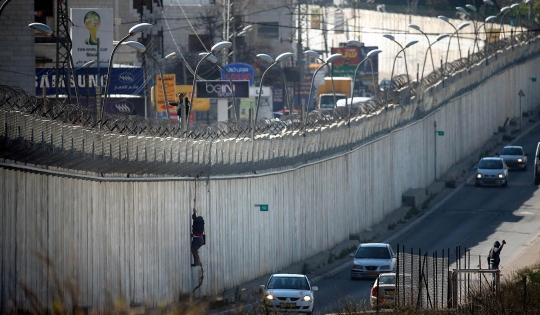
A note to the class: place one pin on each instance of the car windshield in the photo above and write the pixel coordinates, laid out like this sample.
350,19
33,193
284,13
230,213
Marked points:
490,164
387,279
292,283
373,252
512,151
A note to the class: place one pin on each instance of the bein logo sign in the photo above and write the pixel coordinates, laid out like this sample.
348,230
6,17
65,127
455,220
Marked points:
222,89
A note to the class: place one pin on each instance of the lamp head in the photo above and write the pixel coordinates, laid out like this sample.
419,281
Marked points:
489,2
89,64
138,46
442,36
490,18
284,56
220,46
42,28
390,37
312,53
333,58
416,27
208,56
355,43
266,58
444,18
412,42
139,28
505,9
373,52
528,1
462,10
471,7
171,55
247,28
463,25
515,5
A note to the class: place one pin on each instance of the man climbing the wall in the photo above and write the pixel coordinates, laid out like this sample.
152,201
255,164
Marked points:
197,237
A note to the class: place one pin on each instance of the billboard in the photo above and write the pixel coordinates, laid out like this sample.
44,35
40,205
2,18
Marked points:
315,18
90,29
199,105
222,89
352,55
123,81
170,89
238,71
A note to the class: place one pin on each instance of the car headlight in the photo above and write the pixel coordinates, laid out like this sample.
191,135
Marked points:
269,297
520,160
306,298
501,176
478,175
387,267
358,267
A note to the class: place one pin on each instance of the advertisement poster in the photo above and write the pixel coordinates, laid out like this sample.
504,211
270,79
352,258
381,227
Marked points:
91,28
170,88
245,105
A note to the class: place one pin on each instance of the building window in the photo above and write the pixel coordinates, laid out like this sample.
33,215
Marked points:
269,30
195,44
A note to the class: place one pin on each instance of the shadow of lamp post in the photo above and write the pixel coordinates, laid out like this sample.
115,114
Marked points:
409,44
132,31
47,31
142,49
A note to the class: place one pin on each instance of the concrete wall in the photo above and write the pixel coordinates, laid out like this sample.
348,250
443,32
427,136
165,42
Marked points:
129,238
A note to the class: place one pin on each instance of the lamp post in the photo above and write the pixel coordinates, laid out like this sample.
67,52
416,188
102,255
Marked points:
503,13
439,38
314,54
461,26
527,2
215,49
86,79
416,27
472,8
46,30
141,48
273,62
409,44
132,31
412,42
328,60
213,59
370,54
489,19
243,32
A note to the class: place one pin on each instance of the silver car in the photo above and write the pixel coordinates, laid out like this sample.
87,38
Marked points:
373,259
288,293
492,171
514,157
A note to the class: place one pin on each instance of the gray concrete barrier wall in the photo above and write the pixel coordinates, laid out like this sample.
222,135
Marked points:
129,237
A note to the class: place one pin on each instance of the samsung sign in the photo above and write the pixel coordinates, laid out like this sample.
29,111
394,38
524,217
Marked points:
222,89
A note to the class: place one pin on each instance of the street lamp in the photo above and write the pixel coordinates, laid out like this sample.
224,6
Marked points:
526,2
213,59
489,19
503,13
328,60
370,54
243,32
132,31
141,48
412,42
86,79
47,31
472,8
409,44
273,62
460,27
416,27
314,54
439,38
215,49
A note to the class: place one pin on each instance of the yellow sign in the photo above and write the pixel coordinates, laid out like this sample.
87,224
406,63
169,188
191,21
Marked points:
493,35
170,84
316,18
200,104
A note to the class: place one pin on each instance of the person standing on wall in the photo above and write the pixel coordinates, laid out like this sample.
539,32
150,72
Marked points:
494,260
197,237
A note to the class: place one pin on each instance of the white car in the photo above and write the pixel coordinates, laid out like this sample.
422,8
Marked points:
514,157
288,293
373,259
492,171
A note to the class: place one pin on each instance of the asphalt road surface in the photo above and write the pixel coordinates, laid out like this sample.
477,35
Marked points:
473,218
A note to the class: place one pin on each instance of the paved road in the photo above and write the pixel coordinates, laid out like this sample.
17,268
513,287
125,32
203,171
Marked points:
473,218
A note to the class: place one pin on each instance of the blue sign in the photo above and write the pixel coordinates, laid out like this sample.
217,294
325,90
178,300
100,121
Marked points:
239,72
124,81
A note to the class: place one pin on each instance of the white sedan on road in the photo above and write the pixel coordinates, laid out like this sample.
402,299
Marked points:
288,293
514,157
